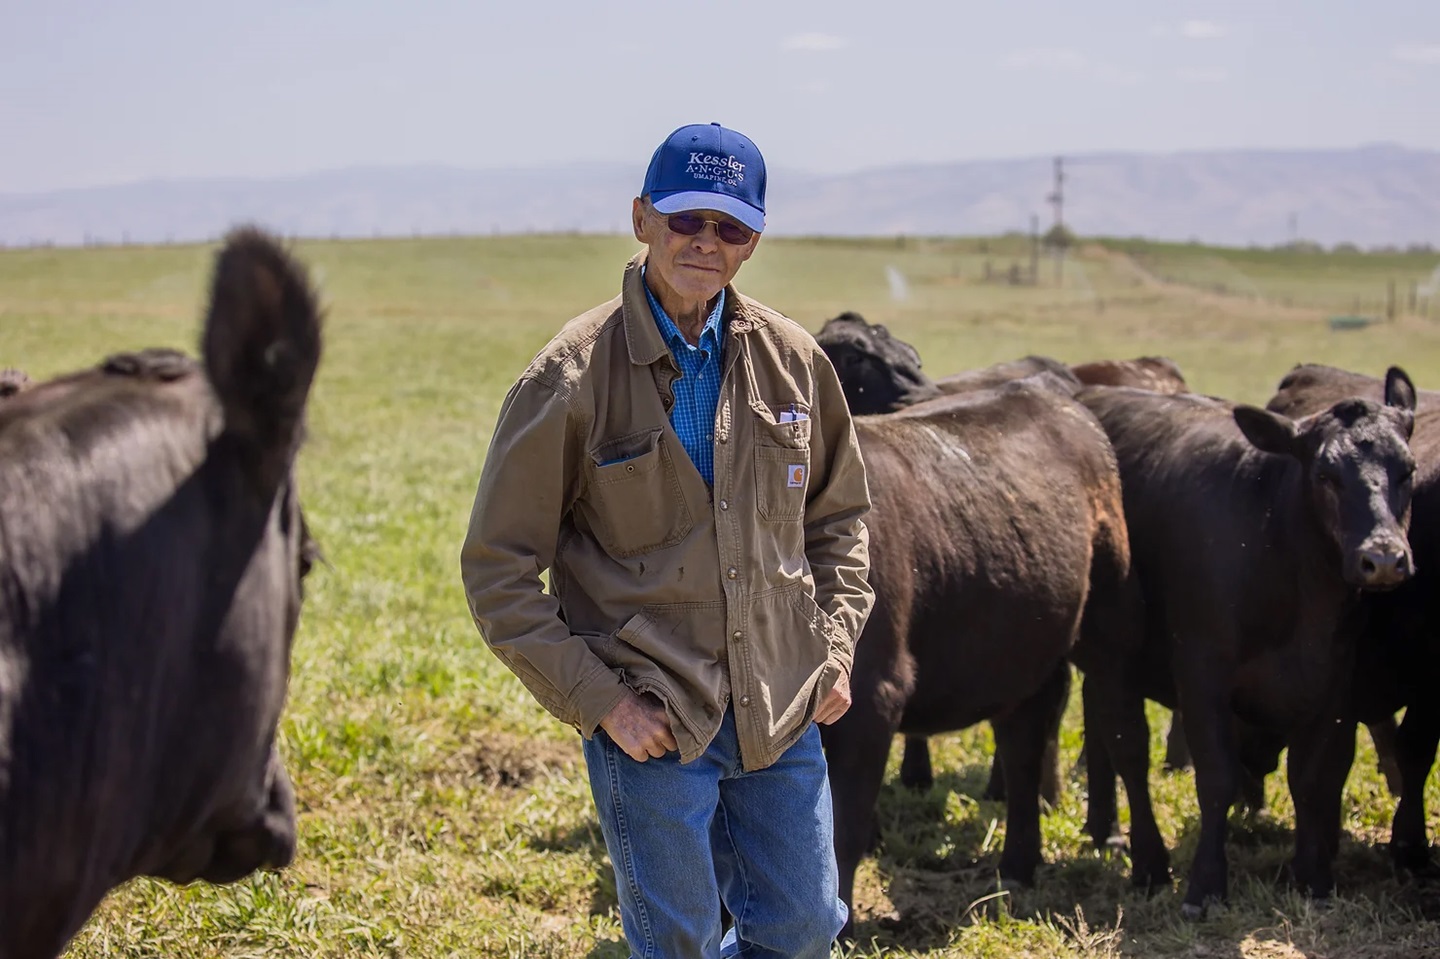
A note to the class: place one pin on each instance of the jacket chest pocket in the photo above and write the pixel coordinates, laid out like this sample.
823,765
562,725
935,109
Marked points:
637,505
782,463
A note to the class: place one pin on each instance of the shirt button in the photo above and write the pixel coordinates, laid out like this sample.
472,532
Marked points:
744,700
732,572
724,504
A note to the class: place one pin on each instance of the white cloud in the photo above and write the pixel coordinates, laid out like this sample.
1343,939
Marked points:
1202,30
814,42
1114,74
1066,60
1047,58
1203,74
1417,52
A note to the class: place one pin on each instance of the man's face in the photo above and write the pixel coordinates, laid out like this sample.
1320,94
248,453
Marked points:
694,268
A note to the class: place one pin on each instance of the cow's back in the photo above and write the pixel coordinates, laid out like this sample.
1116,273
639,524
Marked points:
990,377
1158,374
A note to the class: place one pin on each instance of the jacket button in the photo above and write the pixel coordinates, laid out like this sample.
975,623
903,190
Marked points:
724,504
630,468
732,572
744,700
737,635
724,436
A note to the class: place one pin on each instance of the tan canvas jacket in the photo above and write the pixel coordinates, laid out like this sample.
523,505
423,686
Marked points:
753,594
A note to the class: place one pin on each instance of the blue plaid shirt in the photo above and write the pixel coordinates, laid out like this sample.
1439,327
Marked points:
697,391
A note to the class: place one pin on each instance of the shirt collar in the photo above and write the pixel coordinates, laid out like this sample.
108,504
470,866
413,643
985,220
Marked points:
671,332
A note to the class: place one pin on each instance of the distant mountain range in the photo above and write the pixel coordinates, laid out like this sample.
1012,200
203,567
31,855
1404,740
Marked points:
1371,196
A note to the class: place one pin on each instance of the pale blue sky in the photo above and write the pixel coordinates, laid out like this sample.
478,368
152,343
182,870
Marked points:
98,92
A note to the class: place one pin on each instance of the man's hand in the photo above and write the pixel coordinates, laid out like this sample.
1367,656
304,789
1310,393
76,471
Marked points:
639,725
836,702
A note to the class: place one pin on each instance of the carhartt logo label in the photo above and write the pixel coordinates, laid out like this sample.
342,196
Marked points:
797,477
708,166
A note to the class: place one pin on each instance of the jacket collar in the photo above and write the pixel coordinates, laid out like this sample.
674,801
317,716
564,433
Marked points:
642,334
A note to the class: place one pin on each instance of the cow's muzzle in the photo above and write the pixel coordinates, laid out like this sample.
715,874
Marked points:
1382,565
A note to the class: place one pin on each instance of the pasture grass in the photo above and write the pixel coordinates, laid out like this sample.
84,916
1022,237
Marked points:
443,813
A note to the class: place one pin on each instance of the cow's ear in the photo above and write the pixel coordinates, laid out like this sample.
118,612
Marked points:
261,345
1399,390
1268,432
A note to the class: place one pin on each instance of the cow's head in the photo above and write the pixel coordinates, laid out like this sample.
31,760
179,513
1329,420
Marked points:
1359,474
879,373
153,499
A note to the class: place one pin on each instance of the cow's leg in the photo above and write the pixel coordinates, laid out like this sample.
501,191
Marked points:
1020,742
1319,760
1209,727
1102,817
915,771
1177,750
856,747
995,785
1115,723
1051,783
1050,780
1387,753
1415,744
1259,750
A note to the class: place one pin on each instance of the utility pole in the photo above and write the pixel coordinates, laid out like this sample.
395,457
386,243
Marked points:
1034,249
1057,200
1057,196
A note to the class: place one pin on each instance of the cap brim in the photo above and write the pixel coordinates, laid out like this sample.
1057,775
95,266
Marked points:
706,200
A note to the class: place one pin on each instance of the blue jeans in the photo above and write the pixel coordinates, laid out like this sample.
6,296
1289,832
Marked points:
685,837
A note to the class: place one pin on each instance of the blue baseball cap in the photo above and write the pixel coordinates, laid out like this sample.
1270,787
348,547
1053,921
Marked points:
704,166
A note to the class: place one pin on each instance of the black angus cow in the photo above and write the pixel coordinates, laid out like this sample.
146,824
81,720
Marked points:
996,516
1252,536
151,555
1399,658
880,373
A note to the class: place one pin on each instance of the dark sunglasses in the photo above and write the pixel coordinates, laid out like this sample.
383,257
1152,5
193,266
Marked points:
690,224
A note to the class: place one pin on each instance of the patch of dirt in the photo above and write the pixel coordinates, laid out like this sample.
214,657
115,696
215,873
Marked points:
506,761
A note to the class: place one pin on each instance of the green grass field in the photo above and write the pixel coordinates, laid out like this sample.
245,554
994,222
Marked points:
445,814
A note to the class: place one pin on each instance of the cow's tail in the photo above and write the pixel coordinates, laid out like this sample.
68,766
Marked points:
1114,610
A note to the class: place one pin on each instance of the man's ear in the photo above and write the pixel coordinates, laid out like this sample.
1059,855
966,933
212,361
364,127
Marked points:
638,221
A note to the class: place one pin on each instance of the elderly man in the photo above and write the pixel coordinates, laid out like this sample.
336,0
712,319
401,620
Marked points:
682,461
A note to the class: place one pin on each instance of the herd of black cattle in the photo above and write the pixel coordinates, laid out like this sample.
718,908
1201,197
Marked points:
1264,572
